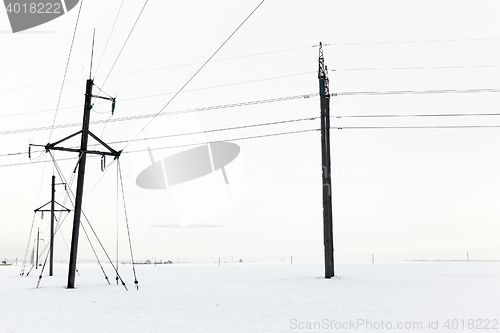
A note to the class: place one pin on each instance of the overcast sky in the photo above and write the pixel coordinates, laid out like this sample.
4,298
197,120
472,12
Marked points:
398,193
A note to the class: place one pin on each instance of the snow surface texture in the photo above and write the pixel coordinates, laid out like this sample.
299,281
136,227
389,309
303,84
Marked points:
252,297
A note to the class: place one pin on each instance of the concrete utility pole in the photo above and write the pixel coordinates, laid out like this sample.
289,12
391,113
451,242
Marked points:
85,132
79,186
324,92
52,211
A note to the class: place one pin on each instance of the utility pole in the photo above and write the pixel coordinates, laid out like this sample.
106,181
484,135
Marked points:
85,132
324,92
79,186
37,246
52,218
52,211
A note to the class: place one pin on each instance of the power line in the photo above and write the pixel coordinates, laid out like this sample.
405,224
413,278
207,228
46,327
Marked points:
220,86
277,134
218,107
109,37
416,127
264,53
35,85
196,73
39,111
218,60
412,68
314,130
415,41
295,49
280,99
38,162
222,129
419,115
415,92
66,69
126,40
167,67
12,154
194,133
233,139
114,63
153,115
168,93
176,146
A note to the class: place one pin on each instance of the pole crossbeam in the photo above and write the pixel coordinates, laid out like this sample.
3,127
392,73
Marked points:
74,150
64,209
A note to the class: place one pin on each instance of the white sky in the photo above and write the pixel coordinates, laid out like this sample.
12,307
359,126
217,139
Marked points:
399,193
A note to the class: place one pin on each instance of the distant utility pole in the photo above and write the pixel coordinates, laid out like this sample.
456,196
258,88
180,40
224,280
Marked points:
37,246
324,93
52,210
85,132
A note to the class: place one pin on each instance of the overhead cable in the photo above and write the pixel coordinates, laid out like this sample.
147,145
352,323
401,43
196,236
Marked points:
416,92
153,115
196,73
66,69
125,43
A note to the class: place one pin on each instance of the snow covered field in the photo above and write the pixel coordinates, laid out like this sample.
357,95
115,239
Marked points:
257,297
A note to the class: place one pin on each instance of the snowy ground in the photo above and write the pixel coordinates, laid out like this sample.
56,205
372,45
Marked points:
255,297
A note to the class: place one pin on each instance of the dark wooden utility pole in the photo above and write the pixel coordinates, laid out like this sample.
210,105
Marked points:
52,211
324,92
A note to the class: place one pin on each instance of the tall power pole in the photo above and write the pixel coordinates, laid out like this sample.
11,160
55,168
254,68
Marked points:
79,186
52,218
324,92
85,132
52,211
